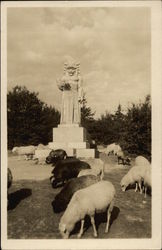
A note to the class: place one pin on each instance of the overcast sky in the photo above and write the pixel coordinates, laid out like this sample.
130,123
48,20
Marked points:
112,45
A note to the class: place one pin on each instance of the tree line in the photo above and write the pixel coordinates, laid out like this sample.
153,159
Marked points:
30,121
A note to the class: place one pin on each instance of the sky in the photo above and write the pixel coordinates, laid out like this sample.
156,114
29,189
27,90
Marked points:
112,44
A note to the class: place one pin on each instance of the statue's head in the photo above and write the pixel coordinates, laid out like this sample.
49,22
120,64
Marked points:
71,67
71,71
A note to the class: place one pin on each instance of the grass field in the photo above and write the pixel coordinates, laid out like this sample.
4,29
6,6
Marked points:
30,214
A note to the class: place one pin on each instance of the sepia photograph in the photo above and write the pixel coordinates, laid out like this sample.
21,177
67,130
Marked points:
81,119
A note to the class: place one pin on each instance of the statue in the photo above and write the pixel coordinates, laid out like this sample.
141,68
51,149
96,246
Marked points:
71,86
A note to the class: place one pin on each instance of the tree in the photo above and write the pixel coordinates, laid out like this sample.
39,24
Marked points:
29,119
118,125
137,135
104,129
131,130
87,116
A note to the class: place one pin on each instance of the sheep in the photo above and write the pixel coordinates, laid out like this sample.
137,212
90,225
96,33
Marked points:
101,149
125,160
134,175
110,148
117,149
9,178
62,199
41,146
40,160
9,181
120,156
98,197
95,172
41,155
113,148
27,151
55,155
67,169
141,161
147,180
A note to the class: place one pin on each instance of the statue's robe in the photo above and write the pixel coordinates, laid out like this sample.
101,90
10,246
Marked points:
70,108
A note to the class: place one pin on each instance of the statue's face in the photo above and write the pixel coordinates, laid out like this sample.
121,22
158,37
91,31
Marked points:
71,71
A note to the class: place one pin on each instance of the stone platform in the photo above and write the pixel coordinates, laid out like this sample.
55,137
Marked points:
73,139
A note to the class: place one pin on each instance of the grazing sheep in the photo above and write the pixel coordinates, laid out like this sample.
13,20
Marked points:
122,159
117,149
40,160
110,148
62,199
127,161
141,161
98,197
147,180
134,175
67,169
41,155
55,155
120,156
27,151
95,172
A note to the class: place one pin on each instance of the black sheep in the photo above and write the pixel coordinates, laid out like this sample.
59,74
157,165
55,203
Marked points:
63,198
67,169
9,178
56,155
9,182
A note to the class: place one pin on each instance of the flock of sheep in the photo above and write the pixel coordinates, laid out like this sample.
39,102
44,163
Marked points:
85,192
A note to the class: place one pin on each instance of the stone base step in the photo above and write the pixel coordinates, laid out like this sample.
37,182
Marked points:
70,145
85,153
69,134
78,152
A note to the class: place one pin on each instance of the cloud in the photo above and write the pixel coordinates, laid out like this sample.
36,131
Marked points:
112,44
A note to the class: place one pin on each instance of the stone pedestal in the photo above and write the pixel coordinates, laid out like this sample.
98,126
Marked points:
73,139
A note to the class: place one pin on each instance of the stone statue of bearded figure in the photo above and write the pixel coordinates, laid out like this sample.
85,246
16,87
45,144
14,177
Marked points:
72,93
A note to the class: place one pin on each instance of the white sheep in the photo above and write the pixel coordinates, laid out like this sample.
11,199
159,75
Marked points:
40,156
42,146
117,149
147,180
120,153
110,148
27,151
98,197
141,161
95,171
135,175
120,156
